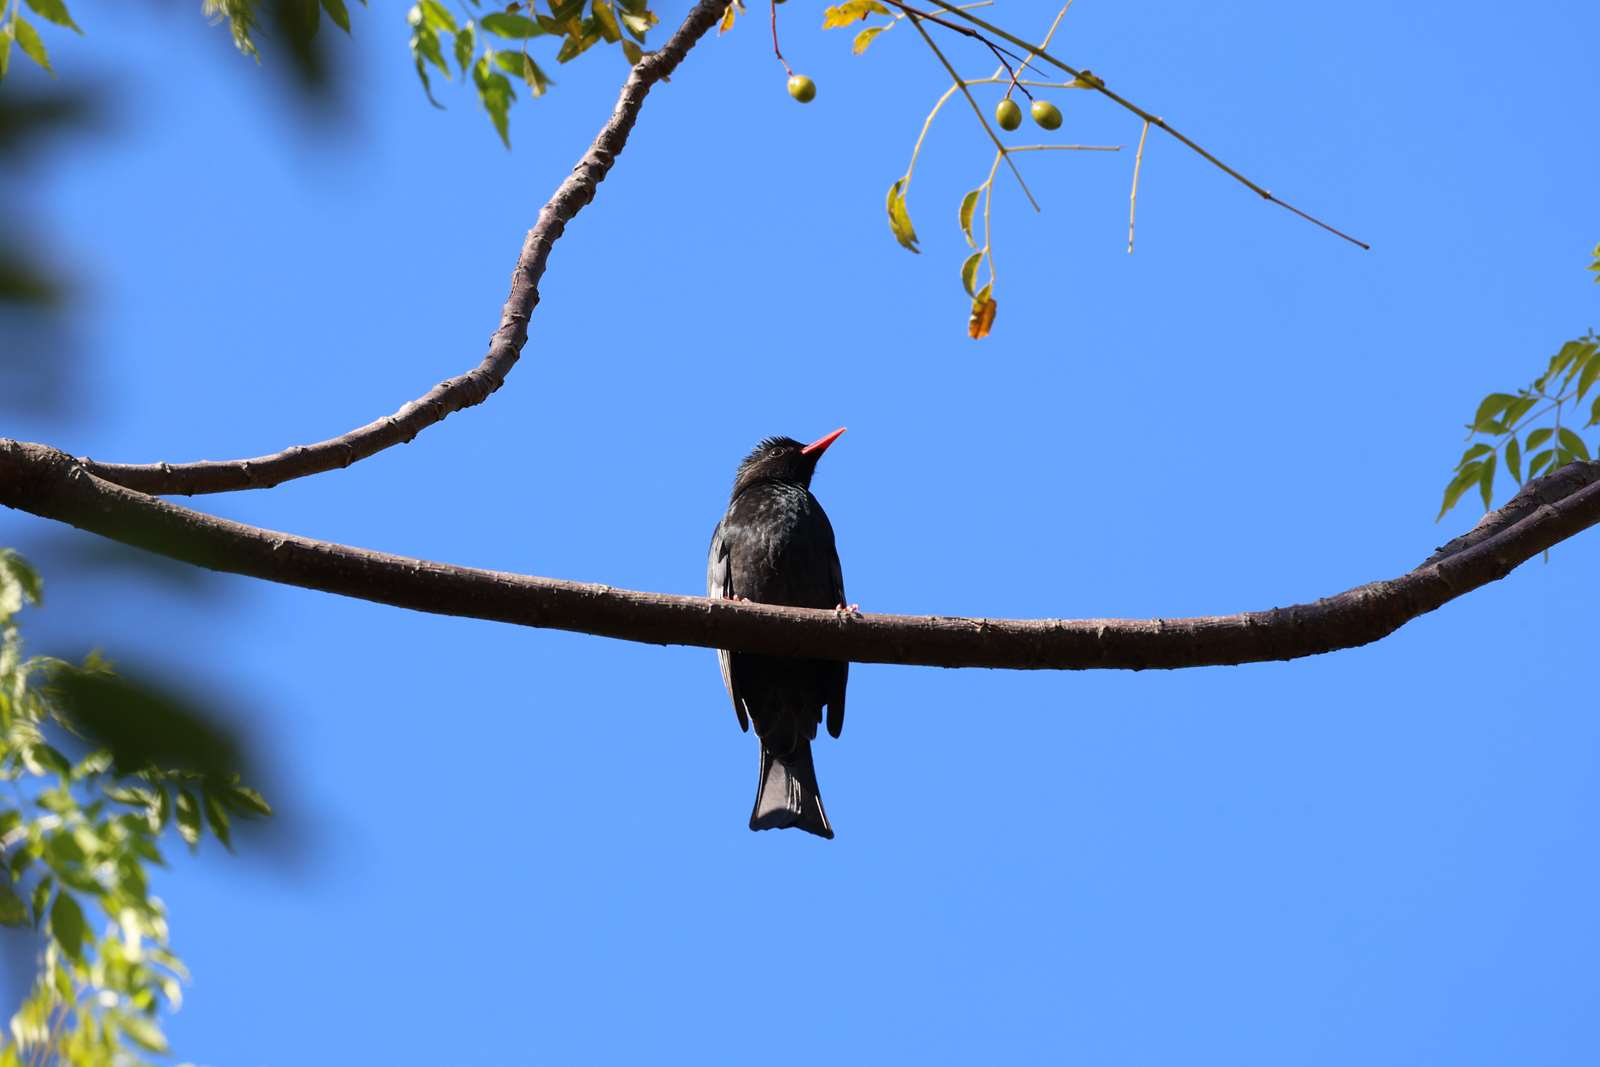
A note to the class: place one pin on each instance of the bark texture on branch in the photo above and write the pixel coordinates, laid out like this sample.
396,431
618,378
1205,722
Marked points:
51,484
505,344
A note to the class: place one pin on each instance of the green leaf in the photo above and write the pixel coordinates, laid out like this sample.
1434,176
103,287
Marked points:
466,44
143,1032
5,49
900,219
577,43
1518,409
422,75
217,816
188,818
28,40
864,39
67,925
494,90
605,21
338,13
512,27
41,897
1539,437
1473,453
1573,443
1590,371
13,912
437,16
1539,462
53,11
245,801
969,273
1571,358
851,11
1514,459
969,208
1486,481
632,52
636,22
1492,405
1594,412
1464,479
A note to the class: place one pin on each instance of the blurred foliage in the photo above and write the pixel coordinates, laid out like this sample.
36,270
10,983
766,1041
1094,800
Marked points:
1532,424
77,839
37,362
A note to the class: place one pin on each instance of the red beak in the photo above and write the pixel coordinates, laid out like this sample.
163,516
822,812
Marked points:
820,445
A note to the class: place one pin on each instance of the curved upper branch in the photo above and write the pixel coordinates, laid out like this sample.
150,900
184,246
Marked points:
1548,510
505,345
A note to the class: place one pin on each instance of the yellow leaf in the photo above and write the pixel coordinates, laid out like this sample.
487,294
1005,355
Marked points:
727,17
851,11
969,272
865,37
900,218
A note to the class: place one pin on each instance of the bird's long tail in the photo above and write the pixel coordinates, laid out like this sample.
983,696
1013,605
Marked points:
787,793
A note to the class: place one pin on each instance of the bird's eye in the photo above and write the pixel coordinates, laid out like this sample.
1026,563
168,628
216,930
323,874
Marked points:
774,452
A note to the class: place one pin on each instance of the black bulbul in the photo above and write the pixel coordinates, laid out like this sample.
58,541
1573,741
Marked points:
775,546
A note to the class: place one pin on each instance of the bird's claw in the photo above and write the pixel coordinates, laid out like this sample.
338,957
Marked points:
853,610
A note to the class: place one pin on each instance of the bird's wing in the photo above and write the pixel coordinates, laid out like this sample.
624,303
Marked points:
838,674
719,583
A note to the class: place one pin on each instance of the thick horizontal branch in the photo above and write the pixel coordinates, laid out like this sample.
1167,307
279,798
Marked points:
51,484
505,344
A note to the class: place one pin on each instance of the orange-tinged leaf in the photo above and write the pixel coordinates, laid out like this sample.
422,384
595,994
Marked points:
982,320
727,17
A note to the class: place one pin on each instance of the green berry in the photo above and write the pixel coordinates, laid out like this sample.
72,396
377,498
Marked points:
804,90
1046,114
1008,114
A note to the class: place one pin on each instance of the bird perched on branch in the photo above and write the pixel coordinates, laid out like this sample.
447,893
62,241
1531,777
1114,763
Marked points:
775,546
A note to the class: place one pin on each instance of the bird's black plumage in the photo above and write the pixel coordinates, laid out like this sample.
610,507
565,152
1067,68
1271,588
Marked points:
775,546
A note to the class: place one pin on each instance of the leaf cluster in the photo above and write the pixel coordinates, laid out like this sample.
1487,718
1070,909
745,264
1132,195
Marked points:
18,30
77,839
1524,431
492,49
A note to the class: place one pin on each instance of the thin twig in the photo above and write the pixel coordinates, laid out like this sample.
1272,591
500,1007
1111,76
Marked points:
1133,194
775,49
1065,148
916,24
1098,84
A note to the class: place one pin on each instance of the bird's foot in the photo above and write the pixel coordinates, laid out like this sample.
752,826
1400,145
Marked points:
740,599
853,610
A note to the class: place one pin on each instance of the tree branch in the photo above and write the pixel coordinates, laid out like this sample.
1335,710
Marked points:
1549,510
505,344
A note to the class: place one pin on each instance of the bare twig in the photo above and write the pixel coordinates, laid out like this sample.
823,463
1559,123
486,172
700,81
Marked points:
505,346
1133,194
1548,510
775,49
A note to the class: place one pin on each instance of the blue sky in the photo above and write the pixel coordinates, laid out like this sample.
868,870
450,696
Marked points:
512,846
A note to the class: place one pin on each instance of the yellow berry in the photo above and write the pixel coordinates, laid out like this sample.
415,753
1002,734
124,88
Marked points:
1008,114
804,90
